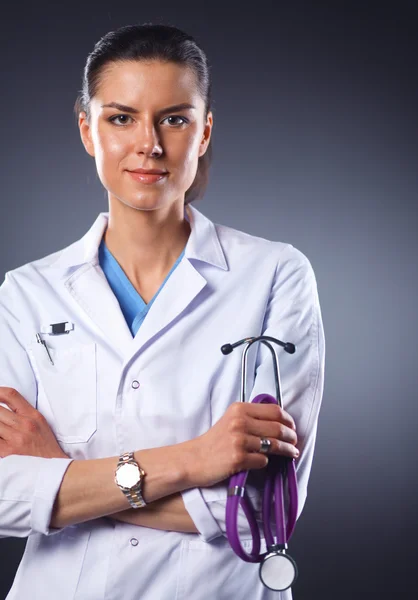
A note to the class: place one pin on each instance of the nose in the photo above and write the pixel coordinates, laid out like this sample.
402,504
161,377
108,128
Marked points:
147,139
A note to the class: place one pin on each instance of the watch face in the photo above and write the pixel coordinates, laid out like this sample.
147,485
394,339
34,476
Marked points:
128,475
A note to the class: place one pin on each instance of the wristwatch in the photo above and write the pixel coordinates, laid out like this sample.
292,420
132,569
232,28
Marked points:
129,478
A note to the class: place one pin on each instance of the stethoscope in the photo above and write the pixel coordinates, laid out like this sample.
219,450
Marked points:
278,570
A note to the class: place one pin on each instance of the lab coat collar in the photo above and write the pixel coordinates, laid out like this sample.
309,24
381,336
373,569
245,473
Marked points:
203,244
86,283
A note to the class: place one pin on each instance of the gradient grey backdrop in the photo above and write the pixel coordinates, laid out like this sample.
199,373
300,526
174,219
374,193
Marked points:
315,143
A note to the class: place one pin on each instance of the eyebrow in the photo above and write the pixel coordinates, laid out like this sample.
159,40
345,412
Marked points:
129,109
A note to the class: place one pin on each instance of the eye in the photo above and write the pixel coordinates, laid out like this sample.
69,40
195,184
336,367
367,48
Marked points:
113,119
184,120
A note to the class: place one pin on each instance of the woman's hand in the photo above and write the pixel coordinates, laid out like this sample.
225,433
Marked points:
233,443
24,430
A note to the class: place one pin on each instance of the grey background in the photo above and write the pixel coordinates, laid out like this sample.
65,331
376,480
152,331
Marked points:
315,143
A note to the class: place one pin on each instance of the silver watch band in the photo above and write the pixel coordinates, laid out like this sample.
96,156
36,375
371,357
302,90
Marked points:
134,495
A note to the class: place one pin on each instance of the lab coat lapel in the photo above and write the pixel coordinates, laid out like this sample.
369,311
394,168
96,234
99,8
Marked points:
90,289
186,281
77,268
181,288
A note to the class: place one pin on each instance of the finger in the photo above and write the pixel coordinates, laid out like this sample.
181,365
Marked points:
15,401
253,444
7,416
272,429
4,449
255,460
269,412
6,432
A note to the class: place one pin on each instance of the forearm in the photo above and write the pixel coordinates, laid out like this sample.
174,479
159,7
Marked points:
88,490
168,514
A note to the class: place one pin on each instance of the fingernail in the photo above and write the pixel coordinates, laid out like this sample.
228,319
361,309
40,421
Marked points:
296,452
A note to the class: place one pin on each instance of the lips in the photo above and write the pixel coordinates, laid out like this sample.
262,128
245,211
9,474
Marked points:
149,171
148,177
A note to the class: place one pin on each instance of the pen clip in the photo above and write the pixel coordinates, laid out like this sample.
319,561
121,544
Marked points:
41,341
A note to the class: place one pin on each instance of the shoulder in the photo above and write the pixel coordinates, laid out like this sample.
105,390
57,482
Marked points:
284,255
231,237
52,266
21,279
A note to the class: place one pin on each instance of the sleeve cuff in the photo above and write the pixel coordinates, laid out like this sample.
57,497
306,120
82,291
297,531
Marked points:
50,476
202,517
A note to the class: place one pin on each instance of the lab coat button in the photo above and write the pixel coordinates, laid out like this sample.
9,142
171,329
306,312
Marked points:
134,542
135,384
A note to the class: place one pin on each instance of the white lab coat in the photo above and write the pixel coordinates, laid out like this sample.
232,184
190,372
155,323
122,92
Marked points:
228,286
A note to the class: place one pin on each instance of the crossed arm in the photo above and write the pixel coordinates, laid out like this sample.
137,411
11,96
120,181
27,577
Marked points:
23,430
82,497
167,513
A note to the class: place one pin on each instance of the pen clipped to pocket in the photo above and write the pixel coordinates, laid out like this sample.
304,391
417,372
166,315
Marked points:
41,341
53,329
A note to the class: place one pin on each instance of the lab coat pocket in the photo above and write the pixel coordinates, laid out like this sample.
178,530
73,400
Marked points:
67,389
213,570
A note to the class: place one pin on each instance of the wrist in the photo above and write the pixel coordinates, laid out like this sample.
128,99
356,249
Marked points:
190,471
129,477
168,469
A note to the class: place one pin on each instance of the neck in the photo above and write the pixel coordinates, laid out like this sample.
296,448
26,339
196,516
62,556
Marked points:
146,243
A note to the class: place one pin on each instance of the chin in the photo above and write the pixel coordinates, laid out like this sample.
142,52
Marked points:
150,202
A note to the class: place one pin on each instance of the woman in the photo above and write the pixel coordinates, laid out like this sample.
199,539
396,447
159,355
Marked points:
110,354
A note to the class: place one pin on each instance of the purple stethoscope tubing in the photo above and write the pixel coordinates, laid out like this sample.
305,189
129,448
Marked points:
281,573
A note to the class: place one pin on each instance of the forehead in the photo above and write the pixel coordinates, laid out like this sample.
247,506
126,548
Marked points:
137,82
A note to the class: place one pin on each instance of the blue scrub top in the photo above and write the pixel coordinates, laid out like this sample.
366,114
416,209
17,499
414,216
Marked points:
133,307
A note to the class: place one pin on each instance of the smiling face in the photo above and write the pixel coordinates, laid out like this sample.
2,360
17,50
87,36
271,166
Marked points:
141,129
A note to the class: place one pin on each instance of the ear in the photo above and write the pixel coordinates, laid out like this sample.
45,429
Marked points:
207,132
85,133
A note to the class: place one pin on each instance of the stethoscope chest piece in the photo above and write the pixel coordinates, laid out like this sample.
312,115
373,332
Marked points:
278,571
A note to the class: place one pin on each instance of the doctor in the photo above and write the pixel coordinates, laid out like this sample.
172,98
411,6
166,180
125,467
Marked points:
119,425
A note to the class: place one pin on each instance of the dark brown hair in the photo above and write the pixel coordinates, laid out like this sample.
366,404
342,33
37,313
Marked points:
151,42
